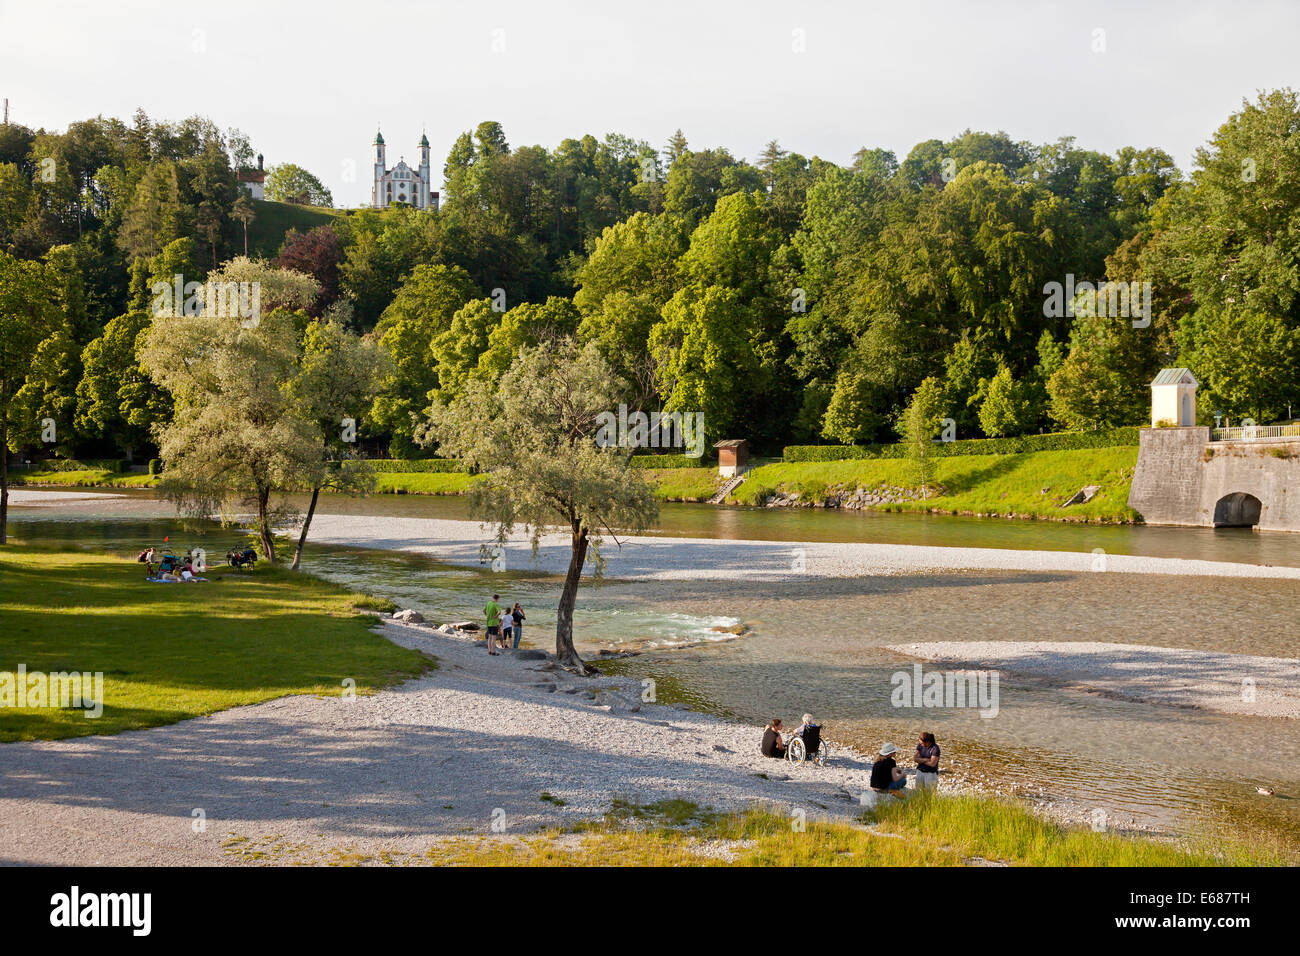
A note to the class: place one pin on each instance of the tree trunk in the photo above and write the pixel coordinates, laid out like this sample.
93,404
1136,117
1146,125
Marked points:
564,651
245,240
306,523
4,479
264,524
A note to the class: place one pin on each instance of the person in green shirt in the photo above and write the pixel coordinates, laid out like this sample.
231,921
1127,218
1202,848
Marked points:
493,612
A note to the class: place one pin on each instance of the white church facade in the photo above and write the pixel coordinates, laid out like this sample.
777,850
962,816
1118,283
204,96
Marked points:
402,183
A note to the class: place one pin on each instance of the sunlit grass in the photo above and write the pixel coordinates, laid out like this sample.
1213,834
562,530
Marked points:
924,830
1033,484
86,478
172,651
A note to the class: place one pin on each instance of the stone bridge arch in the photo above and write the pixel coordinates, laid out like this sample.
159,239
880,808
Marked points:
1238,509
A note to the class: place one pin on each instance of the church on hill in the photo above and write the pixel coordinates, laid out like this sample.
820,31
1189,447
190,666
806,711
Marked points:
402,183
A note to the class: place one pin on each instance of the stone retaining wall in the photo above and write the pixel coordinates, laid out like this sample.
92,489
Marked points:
1183,478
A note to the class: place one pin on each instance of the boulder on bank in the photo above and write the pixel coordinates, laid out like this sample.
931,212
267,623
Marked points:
408,616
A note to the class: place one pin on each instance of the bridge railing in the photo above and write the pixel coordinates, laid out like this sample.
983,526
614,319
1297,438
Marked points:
1255,432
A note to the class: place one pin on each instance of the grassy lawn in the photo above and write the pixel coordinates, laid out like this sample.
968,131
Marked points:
172,651
670,484
423,483
924,830
683,484
1033,484
97,478
274,219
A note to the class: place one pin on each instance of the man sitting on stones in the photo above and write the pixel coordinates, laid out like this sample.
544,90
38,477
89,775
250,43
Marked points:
772,746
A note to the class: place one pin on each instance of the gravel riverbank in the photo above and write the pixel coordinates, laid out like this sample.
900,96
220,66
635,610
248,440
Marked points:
1226,683
308,779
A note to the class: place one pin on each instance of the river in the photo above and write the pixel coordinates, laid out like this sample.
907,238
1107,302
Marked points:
820,644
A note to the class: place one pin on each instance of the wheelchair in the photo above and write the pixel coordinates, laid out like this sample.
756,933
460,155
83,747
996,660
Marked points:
808,747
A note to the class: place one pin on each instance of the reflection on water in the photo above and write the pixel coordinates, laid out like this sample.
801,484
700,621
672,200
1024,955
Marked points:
820,645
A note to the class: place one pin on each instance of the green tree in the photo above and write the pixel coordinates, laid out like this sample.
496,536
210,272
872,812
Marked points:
115,398
1006,407
240,439
155,215
534,441
290,183
918,425
27,318
422,311
456,351
338,376
1247,361
1103,380
244,212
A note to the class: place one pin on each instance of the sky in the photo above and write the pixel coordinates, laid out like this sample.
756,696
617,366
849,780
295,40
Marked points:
311,82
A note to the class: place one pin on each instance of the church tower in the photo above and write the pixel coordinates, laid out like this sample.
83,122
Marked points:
425,182
377,193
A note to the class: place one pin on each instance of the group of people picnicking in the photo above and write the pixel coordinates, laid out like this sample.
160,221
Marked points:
171,570
504,624
886,775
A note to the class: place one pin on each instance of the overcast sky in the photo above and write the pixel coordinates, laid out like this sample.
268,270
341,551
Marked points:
309,82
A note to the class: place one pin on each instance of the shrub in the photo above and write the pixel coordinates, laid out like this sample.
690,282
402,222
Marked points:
416,465
668,461
155,466
1057,441
115,465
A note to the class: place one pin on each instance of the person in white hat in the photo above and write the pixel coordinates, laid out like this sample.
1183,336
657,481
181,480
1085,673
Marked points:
885,775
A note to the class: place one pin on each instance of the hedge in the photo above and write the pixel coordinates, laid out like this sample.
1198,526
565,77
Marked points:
1056,441
410,466
115,465
668,461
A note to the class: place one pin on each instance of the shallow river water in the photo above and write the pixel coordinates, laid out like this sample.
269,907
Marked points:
820,644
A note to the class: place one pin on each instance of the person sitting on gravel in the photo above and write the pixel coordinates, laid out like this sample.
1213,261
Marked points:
885,775
772,746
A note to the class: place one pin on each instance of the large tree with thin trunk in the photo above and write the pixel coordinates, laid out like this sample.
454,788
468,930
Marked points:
239,439
27,318
533,436
338,377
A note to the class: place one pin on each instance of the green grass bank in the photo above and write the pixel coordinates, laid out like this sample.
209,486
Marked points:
1027,485
924,830
173,651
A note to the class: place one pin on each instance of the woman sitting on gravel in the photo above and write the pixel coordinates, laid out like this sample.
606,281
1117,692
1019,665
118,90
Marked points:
772,746
885,775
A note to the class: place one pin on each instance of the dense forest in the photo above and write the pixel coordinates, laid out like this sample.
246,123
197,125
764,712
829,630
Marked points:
789,299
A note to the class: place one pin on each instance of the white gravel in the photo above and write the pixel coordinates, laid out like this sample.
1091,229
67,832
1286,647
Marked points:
303,779
1228,683
664,558
21,497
